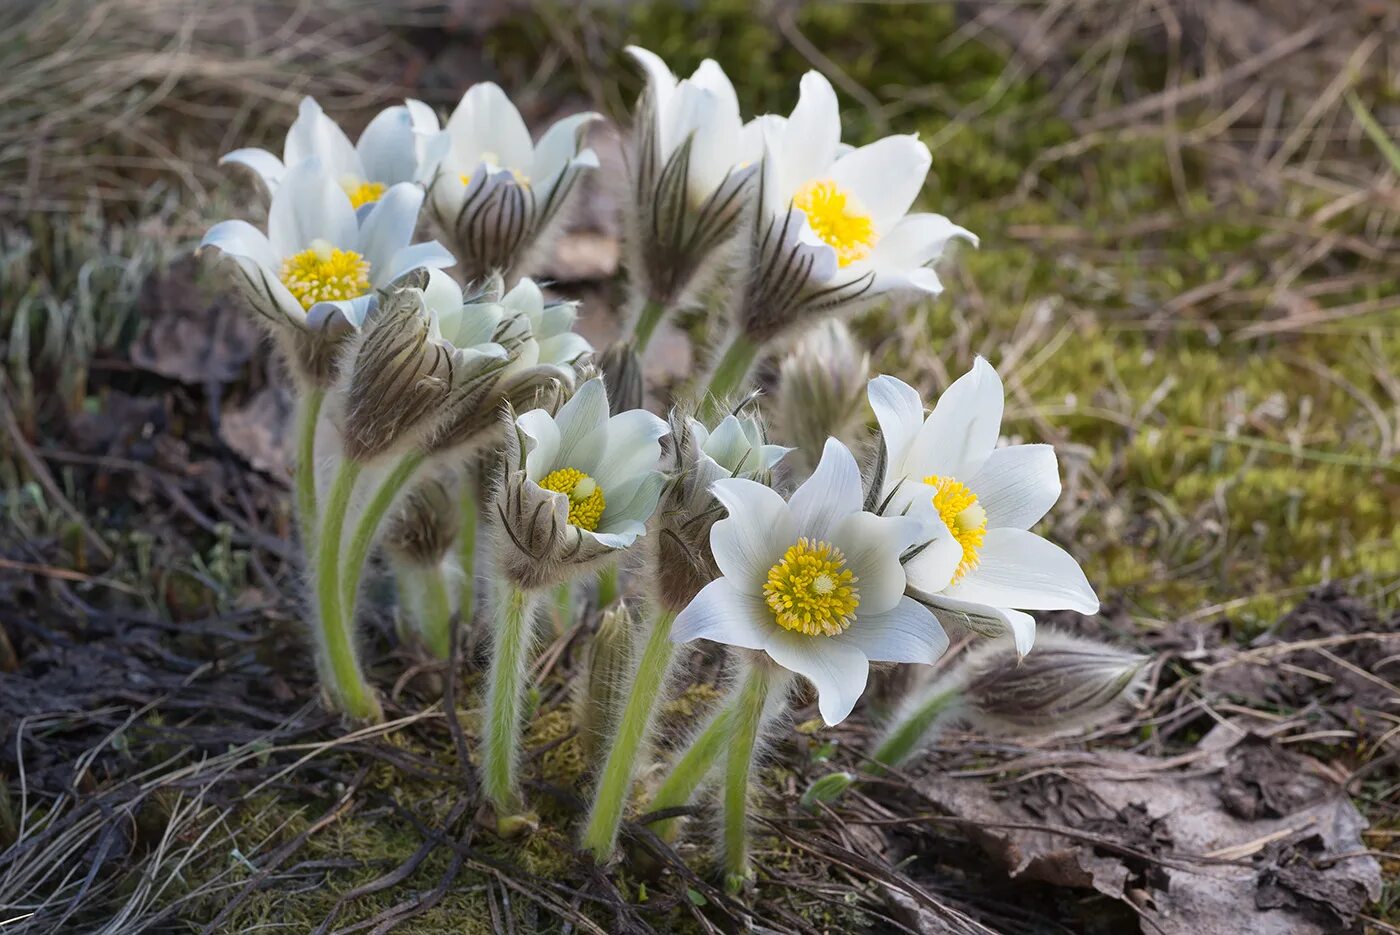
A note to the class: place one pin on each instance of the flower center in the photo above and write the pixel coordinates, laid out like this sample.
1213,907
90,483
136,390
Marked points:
811,590
966,518
323,273
586,501
838,219
362,193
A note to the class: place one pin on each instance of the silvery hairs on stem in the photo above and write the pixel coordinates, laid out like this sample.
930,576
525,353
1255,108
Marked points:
691,184
695,458
821,391
401,381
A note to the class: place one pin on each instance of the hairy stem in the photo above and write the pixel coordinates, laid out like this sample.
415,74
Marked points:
424,601
510,661
651,315
340,663
620,768
690,771
362,539
466,549
729,375
743,742
909,728
608,590
308,415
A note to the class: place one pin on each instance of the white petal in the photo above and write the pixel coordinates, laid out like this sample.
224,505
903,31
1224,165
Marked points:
268,167
563,348
830,494
661,81
931,570
388,148
388,226
985,620
632,447
541,443
241,239
730,447
872,546
908,633
813,132
958,437
309,205
1018,485
313,135
486,122
900,413
724,615
755,534
917,240
444,296
885,177
1019,569
632,503
559,145
430,255
837,670
583,432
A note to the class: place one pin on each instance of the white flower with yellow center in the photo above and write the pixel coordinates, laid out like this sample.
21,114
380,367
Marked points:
495,193
388,152
604,468
983,561
815,582
737,447
320,263
834,230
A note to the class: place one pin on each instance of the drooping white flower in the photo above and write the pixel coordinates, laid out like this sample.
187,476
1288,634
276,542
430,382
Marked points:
389,151
815,582
319,264
736,448
834,229
494,192
983,567
691,164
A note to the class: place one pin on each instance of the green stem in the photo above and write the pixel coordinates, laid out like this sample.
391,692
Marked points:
651,315
743,740
690,771
362,540
905,734
729,375
340,661
600,834
437,612
608,590
307,418
504,696
466,549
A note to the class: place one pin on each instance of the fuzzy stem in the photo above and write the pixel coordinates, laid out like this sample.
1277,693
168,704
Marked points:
600,834
307,416
690,771
729,375
341,664
510,660
905,734
423,594
645,326
362,539
743,741
608,590
466,549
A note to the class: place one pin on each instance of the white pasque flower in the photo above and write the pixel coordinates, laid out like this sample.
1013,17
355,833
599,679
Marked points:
689,173
983,560
389,151
815,582
320,264
834,227
737,447
602,468
492,190
551,341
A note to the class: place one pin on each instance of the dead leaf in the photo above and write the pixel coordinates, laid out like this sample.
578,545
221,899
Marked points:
188,338
261,431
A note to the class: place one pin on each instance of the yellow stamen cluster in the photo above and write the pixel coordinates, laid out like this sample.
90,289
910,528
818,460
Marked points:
966,518
586,503
811,590
836,217
363,193
323,273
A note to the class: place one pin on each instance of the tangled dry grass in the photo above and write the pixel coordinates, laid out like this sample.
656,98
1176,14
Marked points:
1189,276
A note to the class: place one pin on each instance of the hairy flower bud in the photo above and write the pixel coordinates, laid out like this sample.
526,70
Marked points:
828,788
622,374
821,389
602,685
426,525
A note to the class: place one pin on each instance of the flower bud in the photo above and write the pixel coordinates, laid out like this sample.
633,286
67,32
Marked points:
602,685
1066,681
622,374
426,525
821,389
826,789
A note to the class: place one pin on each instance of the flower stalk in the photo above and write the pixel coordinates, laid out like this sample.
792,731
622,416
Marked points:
620,768
690,771
645,326
909,731
308,416
366,528
729,374
340,663
743,744
505,694
424,589
466,549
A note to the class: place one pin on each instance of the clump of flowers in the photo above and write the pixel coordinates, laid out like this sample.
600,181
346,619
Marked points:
462,427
